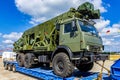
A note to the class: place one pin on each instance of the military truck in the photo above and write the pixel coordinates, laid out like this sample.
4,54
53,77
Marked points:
66,41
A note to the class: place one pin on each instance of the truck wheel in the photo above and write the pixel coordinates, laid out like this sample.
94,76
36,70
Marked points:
85,67
14,68
6,67
9,67
20,59
61,65
29,59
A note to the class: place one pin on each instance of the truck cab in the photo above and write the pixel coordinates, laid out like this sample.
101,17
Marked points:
80,35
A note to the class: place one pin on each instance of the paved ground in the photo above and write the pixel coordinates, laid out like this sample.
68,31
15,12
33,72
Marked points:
97,68
9,75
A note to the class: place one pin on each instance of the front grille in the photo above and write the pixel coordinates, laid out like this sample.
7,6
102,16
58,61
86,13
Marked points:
94,48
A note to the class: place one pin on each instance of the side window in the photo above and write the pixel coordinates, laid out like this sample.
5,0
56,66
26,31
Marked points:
68,28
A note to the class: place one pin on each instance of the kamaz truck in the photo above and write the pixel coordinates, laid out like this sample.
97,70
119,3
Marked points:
67,41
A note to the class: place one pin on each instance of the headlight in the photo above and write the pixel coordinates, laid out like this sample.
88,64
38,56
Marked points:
87,47
102,48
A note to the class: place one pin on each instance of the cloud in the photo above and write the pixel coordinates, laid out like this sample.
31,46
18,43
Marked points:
42,10
12,35
101,24
0,34
8,41
114,30
117,36
6,47
111,43
108,41
111,40
34,21
98,5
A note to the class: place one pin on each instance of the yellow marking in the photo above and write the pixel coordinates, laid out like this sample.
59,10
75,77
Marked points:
114,57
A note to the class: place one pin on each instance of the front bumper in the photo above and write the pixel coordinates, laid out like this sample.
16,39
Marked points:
97,57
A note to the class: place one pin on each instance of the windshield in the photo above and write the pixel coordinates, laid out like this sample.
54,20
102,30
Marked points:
86,27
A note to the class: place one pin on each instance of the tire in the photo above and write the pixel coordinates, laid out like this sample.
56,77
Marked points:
85,67
29,60
20,59
9,67
14,68
66,69
6,66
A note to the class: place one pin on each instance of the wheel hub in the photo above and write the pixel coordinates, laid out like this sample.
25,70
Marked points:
60,66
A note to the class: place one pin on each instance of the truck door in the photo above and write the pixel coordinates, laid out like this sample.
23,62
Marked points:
70,36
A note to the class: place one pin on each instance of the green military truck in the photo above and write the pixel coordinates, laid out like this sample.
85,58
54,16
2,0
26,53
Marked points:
65,41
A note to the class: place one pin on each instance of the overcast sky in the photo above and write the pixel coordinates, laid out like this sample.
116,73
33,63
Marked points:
16,16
